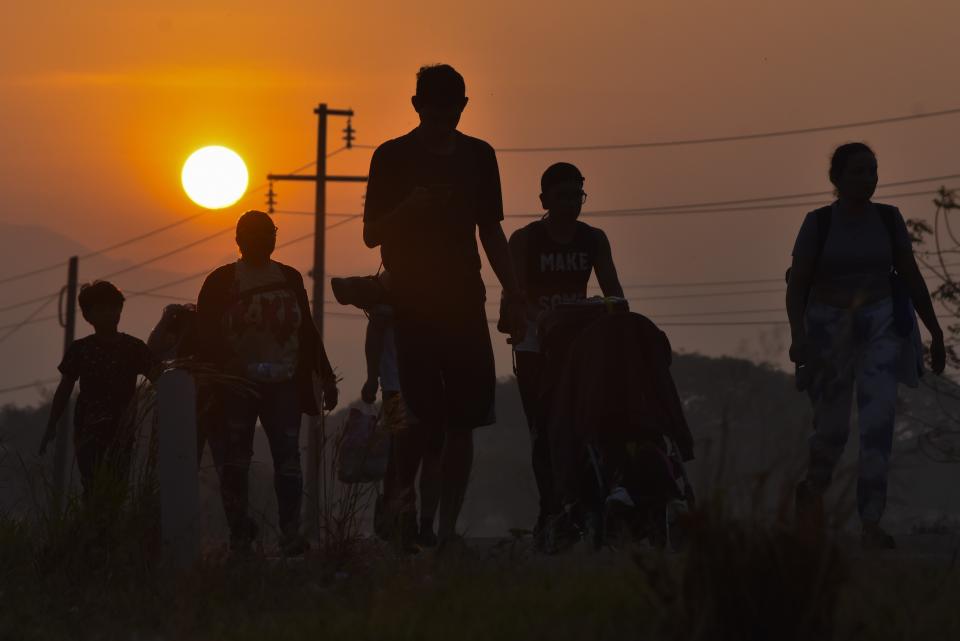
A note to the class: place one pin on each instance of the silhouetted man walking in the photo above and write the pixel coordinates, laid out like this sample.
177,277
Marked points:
429,192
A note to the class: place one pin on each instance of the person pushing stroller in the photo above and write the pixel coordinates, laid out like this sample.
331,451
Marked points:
554,258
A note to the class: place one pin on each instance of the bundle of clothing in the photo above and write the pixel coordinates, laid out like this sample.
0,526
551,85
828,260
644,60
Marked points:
607,381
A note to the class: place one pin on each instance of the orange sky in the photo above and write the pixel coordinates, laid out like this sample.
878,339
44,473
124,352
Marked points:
101,102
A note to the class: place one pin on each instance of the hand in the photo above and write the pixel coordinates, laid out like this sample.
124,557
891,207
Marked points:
331,395
938,354
47,437
517,317
369,391
799,350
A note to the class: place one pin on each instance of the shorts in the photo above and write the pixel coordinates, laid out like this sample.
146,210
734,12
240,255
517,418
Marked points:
447,374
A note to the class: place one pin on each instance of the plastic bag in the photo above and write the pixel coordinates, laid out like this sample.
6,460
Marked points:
364,447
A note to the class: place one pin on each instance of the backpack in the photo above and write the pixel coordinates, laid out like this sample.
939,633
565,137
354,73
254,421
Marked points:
904,316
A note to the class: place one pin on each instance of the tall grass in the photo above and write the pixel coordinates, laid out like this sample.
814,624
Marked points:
92,571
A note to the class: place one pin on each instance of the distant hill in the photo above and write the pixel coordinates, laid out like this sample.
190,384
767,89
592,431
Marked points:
749,422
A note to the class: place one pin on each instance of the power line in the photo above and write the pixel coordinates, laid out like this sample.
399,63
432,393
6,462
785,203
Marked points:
31,322
723,324
349,218
199,274
34,272
297,212
26,321
732,138
811,194
674,210
666,324
7,390
148,234
715,294
152,232
172,252
635,211
781,290
103,250
29,301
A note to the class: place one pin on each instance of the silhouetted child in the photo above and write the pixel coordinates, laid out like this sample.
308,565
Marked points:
107,364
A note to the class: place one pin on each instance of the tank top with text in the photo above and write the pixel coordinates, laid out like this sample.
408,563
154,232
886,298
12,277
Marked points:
555,272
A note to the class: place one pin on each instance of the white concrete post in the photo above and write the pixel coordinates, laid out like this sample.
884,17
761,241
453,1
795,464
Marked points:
177,463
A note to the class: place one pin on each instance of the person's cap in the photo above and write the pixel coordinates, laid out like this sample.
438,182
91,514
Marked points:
560,172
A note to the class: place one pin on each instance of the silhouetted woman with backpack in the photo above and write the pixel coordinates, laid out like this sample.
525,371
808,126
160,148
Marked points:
852,290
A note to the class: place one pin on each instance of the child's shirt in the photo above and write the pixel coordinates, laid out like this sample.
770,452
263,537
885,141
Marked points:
107,368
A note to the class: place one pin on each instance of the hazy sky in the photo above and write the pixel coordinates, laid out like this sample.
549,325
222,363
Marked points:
101,102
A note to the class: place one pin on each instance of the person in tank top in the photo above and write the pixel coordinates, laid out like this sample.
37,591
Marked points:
554,258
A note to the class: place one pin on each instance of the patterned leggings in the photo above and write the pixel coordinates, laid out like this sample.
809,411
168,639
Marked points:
858,351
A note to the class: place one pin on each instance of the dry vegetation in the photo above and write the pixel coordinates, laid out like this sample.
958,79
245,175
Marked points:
93,572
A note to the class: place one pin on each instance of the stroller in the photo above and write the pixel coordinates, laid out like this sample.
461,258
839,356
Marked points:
618,437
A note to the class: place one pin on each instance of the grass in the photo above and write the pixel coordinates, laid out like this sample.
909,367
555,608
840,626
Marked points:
735,580
91,572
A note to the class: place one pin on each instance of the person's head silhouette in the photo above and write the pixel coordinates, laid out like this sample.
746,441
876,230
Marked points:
440,100
101,304
853,172
256,236
561,191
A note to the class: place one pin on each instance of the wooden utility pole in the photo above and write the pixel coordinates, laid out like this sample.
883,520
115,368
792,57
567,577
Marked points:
320,199
68,320
316,465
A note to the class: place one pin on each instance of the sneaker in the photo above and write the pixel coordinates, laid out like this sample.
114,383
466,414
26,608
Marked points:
808,509
619,498
875,538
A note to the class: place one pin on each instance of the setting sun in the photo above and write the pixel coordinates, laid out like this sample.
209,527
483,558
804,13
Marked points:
214,177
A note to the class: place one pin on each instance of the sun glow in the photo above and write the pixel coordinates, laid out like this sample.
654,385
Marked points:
214,177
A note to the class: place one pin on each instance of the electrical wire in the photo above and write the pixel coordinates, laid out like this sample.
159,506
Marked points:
654,211
30,317
731,138
18,388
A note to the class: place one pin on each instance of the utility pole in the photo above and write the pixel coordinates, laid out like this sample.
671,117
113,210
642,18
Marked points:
68,321
316,472
320,200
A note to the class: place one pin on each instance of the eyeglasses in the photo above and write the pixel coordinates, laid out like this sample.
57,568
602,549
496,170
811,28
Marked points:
571,195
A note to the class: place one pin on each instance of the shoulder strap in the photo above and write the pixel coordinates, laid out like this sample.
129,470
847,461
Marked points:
824,218
888,214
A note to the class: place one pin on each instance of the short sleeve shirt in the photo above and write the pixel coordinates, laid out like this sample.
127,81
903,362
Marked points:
107,368
858,247
434,255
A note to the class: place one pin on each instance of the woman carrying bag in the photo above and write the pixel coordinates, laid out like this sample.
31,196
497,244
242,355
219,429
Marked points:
852,290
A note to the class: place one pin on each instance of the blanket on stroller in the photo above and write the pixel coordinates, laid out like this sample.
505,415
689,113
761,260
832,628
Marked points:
614,382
